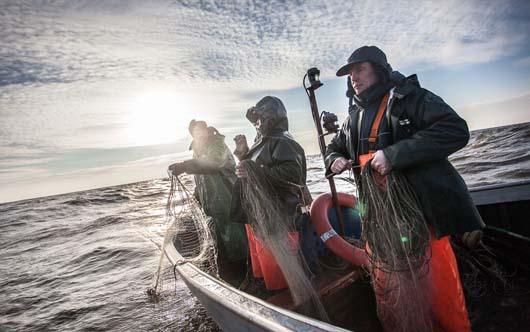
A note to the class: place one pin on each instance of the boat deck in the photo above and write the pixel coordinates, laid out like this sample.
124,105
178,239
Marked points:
494,304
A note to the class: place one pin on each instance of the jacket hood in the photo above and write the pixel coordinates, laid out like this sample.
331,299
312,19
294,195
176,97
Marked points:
406,85
213,137
396,77
272,113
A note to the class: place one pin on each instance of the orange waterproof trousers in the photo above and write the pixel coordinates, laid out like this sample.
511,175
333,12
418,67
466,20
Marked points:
264,264
443,290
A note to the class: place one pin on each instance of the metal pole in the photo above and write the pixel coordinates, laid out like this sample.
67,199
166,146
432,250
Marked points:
322,145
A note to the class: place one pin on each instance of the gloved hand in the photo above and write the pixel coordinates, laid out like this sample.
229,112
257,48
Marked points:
380,163
240,171
177,168
241,146
340,165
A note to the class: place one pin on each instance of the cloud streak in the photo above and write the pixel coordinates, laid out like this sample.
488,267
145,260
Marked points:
242,42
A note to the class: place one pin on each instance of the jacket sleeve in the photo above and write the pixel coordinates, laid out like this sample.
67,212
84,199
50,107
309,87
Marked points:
441,133
337,147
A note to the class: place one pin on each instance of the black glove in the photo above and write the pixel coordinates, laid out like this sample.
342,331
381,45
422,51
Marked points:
177,168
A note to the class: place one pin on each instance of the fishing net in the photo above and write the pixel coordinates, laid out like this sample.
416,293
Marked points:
481,271
398,243
190,231
271,224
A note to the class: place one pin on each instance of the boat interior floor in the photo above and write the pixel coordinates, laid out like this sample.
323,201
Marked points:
344,291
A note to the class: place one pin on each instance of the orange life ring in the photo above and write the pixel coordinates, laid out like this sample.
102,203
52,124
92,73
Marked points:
339,246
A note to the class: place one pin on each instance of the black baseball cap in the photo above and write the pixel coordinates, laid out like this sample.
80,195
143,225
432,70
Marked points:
362,54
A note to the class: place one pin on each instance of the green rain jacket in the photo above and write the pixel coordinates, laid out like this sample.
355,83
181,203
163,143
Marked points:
214,172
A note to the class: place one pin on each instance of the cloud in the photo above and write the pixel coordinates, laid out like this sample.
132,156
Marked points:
497,113
36,182
13,71
523,62
245,42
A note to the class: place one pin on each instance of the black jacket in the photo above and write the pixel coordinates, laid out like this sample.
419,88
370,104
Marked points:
281,158
425,131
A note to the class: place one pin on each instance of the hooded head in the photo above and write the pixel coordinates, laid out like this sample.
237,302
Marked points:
201,134
196,124
268,116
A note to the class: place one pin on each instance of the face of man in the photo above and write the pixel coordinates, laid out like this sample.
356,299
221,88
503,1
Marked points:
257,124
200,135
362,76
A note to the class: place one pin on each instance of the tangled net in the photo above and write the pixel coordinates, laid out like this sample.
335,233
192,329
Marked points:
393,223
397,238
481,271
271,223
193,232
190,231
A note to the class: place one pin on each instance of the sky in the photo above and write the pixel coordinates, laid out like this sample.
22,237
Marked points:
96,93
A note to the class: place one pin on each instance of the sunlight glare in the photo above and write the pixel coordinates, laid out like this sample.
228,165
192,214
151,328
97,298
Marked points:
158,117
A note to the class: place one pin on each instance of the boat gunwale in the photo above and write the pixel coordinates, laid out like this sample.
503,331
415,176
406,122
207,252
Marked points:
255,315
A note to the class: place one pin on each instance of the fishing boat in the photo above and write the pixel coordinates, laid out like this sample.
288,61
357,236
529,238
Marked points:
346,293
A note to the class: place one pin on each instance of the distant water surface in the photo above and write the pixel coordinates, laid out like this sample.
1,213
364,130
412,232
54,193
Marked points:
83,261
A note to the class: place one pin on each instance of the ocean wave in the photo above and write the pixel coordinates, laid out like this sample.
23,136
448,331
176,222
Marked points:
102,222
72,314
84,201
100,255
37,236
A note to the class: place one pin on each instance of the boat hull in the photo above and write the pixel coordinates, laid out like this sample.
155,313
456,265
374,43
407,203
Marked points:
234,310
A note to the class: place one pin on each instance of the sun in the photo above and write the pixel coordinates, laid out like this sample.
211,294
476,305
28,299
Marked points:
158,117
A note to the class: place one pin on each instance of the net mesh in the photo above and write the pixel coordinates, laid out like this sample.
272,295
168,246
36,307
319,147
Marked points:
190,230
271,224
397,238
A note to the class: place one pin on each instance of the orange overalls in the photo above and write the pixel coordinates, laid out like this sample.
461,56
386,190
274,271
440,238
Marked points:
444,289
264,264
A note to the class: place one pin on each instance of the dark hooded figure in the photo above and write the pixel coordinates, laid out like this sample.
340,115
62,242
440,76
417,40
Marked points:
280,164
213,167
280,157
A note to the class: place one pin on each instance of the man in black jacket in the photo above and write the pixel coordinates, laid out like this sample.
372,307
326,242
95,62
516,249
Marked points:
282,163
280,157
416,135
400,126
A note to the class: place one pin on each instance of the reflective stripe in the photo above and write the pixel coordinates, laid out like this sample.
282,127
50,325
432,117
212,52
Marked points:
328,235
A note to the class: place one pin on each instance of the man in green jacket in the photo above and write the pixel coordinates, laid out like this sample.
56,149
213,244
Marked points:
213,167
403,127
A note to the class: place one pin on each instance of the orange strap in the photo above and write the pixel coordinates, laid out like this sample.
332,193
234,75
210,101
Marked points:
377,121
363,158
